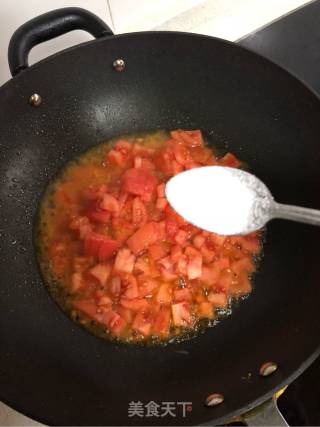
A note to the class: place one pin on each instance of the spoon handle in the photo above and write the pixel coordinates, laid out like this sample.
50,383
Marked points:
296,213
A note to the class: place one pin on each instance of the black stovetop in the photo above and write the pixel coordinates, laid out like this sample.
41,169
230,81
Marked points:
294,43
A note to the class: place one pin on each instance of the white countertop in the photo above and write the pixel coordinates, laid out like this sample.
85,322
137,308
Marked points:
228,19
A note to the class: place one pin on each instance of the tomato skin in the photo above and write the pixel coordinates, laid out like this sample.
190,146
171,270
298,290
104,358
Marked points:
145,236
139,181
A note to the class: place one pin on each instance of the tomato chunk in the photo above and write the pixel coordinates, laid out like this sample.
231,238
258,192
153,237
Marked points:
100,246
124,261
161,323
142,323
181,314
145,236
139,181
101,272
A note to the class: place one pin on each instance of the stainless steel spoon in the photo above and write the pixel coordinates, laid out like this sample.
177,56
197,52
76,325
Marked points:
229,201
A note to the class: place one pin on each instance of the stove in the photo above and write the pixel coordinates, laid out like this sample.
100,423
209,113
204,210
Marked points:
293,42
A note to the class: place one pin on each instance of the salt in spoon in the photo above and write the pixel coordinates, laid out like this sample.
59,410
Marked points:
229,201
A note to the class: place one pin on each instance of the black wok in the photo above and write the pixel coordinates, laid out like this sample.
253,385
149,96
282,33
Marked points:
53,370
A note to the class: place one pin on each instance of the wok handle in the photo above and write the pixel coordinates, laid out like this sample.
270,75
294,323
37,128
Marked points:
48,26
266,414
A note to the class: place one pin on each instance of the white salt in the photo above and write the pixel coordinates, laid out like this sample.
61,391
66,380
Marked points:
223,200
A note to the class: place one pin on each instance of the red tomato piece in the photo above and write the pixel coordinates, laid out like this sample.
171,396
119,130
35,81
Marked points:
115,286
142,323
139,182
123,145
192,138
101,272
100,246
182,265
161,323
125,313
76,281
161,203
181,314
222,263
210,275
194,267
139,212
176,253
243,264
145,236
218,299
124,261
134,304
164,295
108,249
182,295
104,300
172,228
102,217
114,322
161,190
181,154
207,254
116,158
88,307
205,310
181,237
157,251
217,239
131,287
122,229
198,241
229,160
110,204
147,287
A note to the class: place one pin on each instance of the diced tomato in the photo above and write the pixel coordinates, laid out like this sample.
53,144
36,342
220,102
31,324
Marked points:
243,264
125,313
81,263
222,263
116,158
134,304
104,300
101,272
166,262
181,237
182,265
181,154
199,240
145,236
218,299
210,275
251,245
172,228
139,182
176,253
164,295
242,286
157,251
217,239
114,322
123,146
130,284
207,254
229,160
225,281
115,286
181,314
122,229
102,217
100,246
137,162
192,138
192,165
110,204
142,265
161,203
124,261
182,295
161,323
201,154
142,323
205,310
76,282
139,212
88,307
147,287
108,249
194,267
161,190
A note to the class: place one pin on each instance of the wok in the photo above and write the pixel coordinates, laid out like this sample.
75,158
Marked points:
55,371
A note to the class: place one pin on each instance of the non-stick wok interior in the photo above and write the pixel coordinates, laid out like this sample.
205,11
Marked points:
57,372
